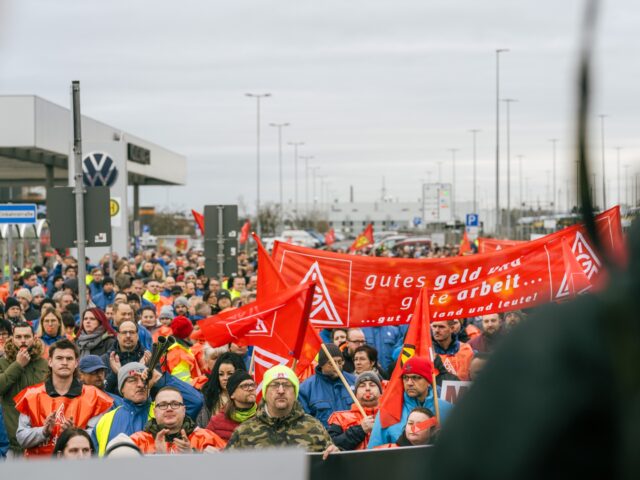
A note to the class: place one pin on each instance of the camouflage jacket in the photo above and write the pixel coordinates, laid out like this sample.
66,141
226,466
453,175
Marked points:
296,429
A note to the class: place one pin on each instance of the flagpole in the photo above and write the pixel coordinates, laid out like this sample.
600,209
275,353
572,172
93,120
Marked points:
344,380
435,397
252,363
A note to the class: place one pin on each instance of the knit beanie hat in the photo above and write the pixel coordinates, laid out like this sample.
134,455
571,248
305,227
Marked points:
277,372
127,370
368,376
166,312
181,301
181,327
122,446
418,366
11,302
333,349
37,291
236,379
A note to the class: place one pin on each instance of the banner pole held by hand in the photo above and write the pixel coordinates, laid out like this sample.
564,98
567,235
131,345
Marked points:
344,380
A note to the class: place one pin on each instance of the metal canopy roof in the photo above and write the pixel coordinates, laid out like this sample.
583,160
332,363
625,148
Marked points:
35,133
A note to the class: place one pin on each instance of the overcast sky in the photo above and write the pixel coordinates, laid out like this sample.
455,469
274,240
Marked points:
374,88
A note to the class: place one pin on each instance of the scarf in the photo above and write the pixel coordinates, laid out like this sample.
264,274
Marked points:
153,428
243,415
89,341
48,340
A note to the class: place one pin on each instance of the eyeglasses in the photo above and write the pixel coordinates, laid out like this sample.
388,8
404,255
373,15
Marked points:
285,386
247,387
172,405
359,342
413,378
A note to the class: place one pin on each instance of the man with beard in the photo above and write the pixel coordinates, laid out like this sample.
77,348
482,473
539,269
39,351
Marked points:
21,366
349,429
13,311
127,349
172,431
455,355
61,402
491,333
324,393
416,381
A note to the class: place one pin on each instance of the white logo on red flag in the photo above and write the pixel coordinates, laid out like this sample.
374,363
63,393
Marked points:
260,328
264,360
323,311
585,256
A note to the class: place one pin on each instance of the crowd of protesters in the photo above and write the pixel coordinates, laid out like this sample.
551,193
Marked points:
74,384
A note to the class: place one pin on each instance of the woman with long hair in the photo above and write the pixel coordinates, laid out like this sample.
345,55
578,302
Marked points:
96,336
50,328
73,444
215,390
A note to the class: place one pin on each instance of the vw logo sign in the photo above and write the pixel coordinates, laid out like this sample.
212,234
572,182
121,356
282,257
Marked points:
99,170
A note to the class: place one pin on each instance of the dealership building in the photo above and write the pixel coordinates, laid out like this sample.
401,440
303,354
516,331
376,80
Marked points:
36,150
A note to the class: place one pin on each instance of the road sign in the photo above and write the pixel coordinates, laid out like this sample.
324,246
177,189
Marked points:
62,224
22,213
220,240
473,220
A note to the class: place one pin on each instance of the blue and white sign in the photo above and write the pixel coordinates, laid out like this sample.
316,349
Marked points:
417,221
472,220
18,213
99,170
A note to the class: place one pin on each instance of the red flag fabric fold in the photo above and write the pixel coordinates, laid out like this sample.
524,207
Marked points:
244,233
199,218
363,240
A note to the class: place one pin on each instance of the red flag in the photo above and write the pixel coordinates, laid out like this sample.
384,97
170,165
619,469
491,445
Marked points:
257,322
363,291
363,240
575,281
465,245
330,237
270,282
417,342
244,233
199,218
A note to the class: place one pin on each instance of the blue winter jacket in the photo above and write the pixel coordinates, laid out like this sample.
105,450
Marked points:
385,340
130,417
102,299
4,439
320,395
381,436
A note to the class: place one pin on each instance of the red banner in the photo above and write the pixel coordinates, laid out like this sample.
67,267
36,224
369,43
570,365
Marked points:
370,291
199,218
363,240
486,245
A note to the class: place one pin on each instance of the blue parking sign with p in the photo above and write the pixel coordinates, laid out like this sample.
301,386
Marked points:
472,220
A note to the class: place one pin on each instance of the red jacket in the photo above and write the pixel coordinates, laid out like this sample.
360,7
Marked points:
82,402
200,439
346,419
221,425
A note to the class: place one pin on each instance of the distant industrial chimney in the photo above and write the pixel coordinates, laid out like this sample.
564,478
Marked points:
351,194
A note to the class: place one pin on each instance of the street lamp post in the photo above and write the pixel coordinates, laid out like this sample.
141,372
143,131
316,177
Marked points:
508,102
280,126
498,219
258,97
306,159
604,180
474,132
295,146
619,181
554,141
453,183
